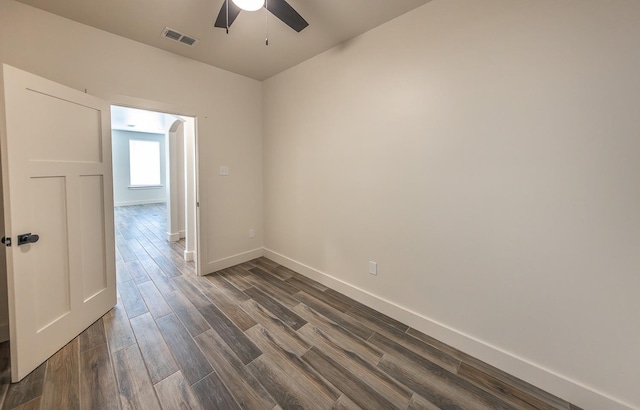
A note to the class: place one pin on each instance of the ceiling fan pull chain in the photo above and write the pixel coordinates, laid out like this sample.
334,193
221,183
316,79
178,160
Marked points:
266,22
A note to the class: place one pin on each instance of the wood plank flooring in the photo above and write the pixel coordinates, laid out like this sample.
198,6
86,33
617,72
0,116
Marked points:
254,336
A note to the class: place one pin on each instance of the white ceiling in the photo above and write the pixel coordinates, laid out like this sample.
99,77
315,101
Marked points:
133,119
243,50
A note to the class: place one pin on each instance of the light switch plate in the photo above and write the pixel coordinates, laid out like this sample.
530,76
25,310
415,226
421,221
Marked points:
373,268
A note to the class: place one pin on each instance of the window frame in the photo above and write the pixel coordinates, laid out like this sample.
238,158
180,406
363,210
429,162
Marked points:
159,164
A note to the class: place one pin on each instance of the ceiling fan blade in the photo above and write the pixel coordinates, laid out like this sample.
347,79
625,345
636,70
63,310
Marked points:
282,10
234,10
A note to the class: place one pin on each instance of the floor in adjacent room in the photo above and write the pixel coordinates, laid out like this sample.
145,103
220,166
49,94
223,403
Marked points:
255,336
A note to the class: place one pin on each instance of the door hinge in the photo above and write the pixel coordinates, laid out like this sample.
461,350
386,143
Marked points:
6,241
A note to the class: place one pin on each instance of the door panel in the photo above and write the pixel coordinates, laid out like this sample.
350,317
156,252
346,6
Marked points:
82,141
94,274
57,183
49,257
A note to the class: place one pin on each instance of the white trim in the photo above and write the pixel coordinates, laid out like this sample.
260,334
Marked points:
142,202
145,186
189,256
561,386
4,333
173,237
182,234
224,263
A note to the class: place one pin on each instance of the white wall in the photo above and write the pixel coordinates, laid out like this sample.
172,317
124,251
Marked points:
486,154
227,107
181,174
190,211
175,176
122,193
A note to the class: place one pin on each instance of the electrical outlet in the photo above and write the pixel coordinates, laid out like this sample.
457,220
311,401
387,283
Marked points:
252,233
224,170
373,268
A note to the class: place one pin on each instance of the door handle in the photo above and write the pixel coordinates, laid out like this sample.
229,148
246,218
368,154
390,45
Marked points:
26,238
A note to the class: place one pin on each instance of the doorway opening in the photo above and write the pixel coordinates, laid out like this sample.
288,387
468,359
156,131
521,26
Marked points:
154,183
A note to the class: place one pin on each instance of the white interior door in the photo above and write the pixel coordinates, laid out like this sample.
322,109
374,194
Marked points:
57,183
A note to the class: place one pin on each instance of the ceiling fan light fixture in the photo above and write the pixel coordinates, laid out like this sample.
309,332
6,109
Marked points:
249,5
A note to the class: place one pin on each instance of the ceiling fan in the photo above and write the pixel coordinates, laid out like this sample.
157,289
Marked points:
279,8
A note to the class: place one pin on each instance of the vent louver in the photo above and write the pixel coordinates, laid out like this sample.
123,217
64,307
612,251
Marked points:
179,37
188,40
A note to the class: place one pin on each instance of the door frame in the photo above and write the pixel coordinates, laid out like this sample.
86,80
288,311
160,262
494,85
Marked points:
177,110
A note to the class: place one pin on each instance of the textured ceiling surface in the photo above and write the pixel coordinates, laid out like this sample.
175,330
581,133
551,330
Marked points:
243,50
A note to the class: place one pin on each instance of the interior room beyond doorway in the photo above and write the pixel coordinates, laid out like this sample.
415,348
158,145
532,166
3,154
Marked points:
154,170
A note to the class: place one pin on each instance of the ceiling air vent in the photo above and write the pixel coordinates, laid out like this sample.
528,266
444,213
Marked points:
177,36
188,40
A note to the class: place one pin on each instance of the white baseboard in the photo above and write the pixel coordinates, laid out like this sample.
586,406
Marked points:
189,256
567,389
142,202
4,333
224,263
174,237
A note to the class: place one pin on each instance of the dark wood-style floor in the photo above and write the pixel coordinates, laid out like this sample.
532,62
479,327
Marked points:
255,336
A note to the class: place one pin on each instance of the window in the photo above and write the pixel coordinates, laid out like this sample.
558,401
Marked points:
144,163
